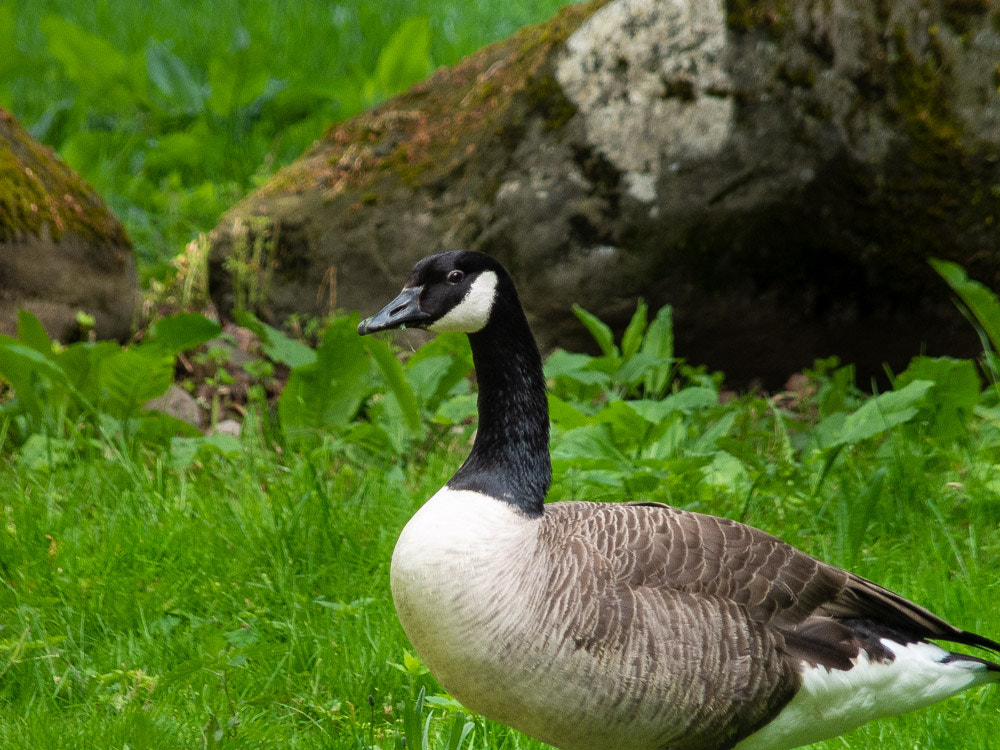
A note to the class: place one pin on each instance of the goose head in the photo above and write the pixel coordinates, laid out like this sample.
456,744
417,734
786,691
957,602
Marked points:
446,292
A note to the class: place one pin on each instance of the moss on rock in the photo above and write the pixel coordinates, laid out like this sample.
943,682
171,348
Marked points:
745,15
38,191
434,127
62,251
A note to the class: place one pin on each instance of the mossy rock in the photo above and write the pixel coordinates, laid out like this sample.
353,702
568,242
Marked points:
779,172
61,250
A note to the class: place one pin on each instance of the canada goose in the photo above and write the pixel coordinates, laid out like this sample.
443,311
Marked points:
631,626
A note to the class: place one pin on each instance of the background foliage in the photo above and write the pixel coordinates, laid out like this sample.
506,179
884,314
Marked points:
164,588
174,110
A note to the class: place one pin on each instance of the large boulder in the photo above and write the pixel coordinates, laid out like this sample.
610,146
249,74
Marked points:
61,249
779,172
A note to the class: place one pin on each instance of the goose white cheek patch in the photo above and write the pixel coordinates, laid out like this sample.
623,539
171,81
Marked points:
473,312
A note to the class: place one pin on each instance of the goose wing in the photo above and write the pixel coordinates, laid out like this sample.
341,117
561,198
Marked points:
823,614
702,624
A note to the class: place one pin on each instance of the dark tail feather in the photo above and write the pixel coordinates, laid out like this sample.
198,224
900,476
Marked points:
992,668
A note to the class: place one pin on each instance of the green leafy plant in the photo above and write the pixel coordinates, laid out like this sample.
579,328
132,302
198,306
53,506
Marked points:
982,308
85,390
324,395
643,362
416,732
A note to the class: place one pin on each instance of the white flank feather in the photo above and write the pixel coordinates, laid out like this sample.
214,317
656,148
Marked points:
832,702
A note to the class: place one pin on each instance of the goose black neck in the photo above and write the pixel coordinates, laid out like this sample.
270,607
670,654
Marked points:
510,455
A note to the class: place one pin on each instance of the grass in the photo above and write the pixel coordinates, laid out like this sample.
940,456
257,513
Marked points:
173,111
244,602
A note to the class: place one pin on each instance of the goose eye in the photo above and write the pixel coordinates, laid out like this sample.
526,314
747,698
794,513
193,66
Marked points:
454,277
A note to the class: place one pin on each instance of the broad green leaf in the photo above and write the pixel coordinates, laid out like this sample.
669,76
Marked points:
17,358
88,150
980,300
234,86
639,368
666,440
8,39
564,414
42,453
370,445
55,116
171,76
226,445
426,377
710,438
882,412
395,378
178,333
600,331
325,396
31,333
132,377
158,427
690,399
628,428
387,415
561,362
459,730
302,100
83,55
659,344
454,347
642,480
613,478
456,410
106,77
727,471
989,413
443,701
589,441
827,433
180,150
405,58
184,450
956,392
18,369
276,345
632,338
81,361
588,377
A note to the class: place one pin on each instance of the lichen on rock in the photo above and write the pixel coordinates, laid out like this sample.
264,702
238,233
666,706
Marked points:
649,80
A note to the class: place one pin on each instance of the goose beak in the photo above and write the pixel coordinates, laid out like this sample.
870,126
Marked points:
397,314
